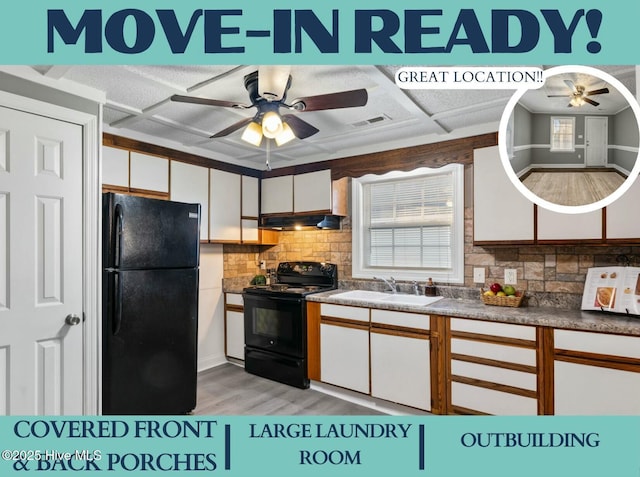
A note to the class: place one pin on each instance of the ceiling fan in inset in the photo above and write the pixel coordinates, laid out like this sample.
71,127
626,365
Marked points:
267,90
579,95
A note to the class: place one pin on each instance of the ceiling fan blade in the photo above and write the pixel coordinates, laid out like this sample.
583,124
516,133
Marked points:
273,81
300,128
344,99
597,91
232,128
570,84
207,102
591,102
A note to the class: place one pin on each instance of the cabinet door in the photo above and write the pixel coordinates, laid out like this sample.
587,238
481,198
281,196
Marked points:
235,334
493,368
400,369
556,226
190,184
592,390
277,195
250,232
250,196
224,206
619,224
115,167
344,357
500,211
149,172
312,191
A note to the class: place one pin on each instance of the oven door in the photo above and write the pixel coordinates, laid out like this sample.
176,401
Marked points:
275,324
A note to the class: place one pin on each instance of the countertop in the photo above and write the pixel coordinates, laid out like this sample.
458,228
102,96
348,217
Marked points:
603,322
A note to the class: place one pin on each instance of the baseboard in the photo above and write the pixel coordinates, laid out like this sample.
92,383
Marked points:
209,362
364,400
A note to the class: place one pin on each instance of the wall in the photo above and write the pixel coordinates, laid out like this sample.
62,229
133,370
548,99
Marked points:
521,156
624,139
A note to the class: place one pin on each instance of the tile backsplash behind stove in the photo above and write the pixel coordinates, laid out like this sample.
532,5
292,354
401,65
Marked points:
541,269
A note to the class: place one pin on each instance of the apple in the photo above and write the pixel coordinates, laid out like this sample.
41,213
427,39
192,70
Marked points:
495,287
501,293
509,290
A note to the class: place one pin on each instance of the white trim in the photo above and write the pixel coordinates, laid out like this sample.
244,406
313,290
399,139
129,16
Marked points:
91,229
619,169
624,148
573,133
526,147
211,362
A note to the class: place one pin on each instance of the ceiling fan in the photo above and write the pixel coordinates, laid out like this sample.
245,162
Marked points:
267,90
579,95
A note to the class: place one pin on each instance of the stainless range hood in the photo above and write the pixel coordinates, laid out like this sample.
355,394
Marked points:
293,222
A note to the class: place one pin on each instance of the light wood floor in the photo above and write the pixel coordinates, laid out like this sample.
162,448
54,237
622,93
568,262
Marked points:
573,188
229,390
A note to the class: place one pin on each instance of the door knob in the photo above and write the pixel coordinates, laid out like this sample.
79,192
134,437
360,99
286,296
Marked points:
72,320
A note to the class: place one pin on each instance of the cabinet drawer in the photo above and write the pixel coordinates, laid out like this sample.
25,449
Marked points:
509,354
600,343
491,401
494,329
347,312
235,299
508,377
398,318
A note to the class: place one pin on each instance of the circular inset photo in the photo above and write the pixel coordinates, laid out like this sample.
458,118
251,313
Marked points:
572,145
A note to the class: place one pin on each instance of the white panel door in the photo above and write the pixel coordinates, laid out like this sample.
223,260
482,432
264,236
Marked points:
41,360
595,131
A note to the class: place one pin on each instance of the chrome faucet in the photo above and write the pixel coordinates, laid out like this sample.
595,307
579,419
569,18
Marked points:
391,283
416,289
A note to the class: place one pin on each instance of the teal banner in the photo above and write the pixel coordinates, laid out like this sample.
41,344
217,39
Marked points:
329,32
430,446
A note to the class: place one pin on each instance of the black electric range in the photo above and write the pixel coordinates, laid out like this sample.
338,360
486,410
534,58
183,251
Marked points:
276,321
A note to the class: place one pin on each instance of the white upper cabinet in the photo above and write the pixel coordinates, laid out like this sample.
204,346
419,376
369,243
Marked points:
500,211
277,195
115,166
312,191
190,183
149,172
556,226
224,206
250,196
620,225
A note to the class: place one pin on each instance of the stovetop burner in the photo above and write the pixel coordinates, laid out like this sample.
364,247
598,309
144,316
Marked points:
300,278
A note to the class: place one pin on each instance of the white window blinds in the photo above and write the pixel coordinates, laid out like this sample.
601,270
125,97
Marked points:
409,222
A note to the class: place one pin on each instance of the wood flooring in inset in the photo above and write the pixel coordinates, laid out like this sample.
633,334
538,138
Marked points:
573,188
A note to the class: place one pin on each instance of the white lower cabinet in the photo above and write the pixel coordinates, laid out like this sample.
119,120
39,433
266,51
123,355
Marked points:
344,356
234,327
593,390
493,368
586,381
400,369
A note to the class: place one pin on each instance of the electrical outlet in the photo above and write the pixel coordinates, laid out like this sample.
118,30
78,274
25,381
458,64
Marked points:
263,265
478,275
510,276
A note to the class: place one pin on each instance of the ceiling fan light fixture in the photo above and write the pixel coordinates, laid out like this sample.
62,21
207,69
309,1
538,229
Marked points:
271,124
253,134
285,136
576,101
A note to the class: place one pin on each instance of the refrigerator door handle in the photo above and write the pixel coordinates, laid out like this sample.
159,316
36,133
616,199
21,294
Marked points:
117,303
119,223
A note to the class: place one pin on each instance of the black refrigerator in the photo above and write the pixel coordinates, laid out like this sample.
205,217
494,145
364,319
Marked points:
150,305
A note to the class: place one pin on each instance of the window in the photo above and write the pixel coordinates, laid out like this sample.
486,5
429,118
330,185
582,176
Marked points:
562,134
410,225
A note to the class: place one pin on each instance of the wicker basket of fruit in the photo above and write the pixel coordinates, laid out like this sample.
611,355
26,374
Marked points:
498,295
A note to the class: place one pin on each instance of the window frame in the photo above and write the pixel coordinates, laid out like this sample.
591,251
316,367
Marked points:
573,134
454,274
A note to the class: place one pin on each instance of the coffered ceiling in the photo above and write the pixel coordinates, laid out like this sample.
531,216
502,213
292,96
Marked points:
138,106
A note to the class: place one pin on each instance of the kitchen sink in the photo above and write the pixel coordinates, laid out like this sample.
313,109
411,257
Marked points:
382,297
